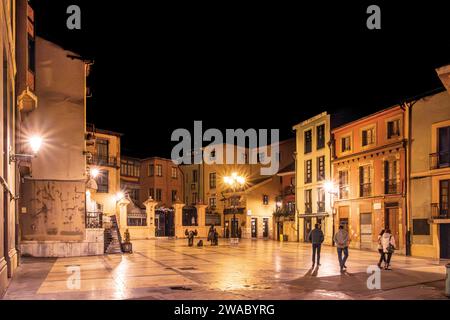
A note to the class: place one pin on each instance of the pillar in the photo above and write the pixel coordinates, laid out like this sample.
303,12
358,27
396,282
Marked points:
122,206
178,208
202,228
150,206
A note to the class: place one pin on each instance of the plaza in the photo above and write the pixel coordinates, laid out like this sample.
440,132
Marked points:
253,270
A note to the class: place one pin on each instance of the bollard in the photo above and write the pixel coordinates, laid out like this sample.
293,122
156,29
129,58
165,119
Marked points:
447,281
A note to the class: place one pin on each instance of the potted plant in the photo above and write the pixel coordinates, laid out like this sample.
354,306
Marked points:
127,246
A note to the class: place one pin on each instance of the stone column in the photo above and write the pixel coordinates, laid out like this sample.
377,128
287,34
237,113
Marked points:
150,206
201,220
178,207
122,206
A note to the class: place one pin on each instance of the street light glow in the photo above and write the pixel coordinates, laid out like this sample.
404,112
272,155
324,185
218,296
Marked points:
234,179
35,143
329,186
120,195
95,172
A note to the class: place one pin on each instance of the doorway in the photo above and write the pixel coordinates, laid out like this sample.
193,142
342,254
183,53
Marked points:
265,227
280,232
391,219
444,241
254,228
234,228
366,230
307,229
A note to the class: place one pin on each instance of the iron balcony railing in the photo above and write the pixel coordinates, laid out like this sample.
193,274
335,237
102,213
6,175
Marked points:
440,211
308,207
100,160
365,189
287,191
94,220
392,186
440,160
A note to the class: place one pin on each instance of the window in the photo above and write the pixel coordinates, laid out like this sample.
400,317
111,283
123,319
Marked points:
194,198
212,202
308,201
308,141
130,168
444,147
137,219
265,200
444,197
134,194
390,177
346,144
290,206
190,217
174,172
102,181
212,180
151,193
102,148
195,176
213,155
393,129
368,137
321,200
343,184
174,195
151,170
365,182
158,170
308,171
321,168
321,137
158,195
193,186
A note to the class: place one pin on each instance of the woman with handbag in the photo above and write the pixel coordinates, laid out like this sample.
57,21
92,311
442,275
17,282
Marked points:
381,250
388,243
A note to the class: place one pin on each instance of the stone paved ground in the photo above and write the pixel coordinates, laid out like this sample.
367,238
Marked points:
168,269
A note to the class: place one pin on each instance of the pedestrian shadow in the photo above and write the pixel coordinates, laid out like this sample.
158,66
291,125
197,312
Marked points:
312,272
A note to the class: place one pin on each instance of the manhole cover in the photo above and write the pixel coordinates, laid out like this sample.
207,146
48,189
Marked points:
181,288
188,268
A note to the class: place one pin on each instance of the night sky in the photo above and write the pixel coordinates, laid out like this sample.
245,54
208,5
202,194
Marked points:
158,68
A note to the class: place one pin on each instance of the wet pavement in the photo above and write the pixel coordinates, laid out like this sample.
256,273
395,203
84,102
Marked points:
169,269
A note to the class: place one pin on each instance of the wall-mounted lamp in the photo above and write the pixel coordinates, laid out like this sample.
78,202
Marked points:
35,144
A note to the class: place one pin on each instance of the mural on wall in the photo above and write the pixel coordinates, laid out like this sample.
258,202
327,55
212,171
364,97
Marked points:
53,210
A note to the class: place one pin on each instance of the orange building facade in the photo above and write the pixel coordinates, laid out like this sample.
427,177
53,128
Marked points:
369,161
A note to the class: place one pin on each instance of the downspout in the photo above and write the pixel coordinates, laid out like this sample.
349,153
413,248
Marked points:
296,198
408,216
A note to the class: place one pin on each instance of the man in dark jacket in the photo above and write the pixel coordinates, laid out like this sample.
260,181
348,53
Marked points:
316,237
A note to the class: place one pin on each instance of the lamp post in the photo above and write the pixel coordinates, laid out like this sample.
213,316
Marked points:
330,187
34,143
234,181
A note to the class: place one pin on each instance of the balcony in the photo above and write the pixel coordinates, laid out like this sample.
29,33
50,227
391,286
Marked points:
365,190
100,160
288,191
94,220
439,160
392,187
439,211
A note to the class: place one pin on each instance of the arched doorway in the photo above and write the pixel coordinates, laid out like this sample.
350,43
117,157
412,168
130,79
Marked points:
165,222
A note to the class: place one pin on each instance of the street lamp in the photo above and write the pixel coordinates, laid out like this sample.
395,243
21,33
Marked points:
235,182
35,144
94,172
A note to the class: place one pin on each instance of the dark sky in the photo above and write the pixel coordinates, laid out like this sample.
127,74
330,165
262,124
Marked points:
158,68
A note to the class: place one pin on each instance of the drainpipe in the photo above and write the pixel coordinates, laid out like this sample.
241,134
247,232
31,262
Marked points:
408,216
296,198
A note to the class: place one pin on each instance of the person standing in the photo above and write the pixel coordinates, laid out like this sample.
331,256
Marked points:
380,250
388,243
342,241
316,237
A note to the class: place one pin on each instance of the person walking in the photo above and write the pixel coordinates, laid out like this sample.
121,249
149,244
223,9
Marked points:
316,237
388,244
380,250
341,239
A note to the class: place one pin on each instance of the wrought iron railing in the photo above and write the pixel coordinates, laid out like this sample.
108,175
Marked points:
101,160
308,207
94,220
289,190
365,189
392,186
440,211
440,160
